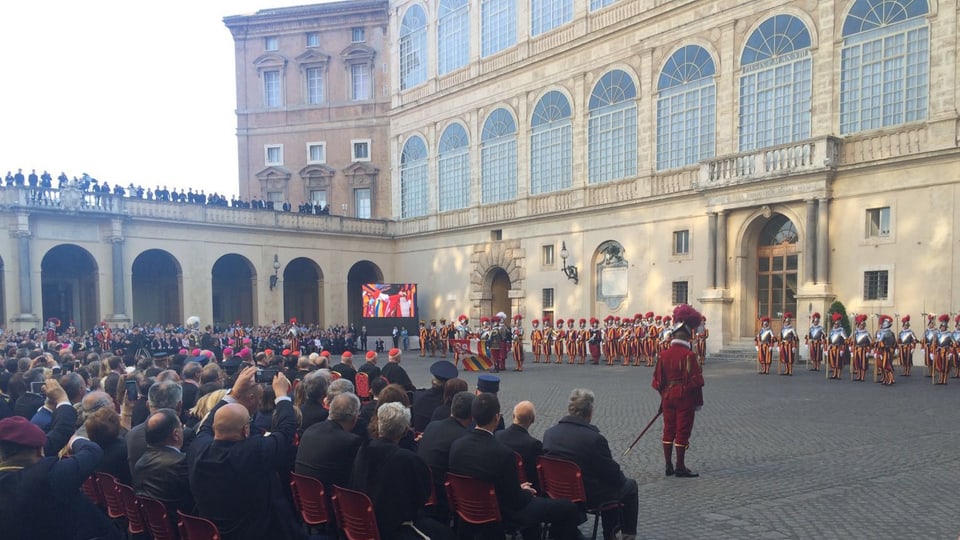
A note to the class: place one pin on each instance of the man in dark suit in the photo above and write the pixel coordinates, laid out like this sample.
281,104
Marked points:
434,447
28,404
327,449
517,437
234,476
425,401
162,471
370,366
162,395
574,438
478,454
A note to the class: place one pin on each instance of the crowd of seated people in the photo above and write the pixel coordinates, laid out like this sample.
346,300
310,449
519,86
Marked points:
42,184
220,435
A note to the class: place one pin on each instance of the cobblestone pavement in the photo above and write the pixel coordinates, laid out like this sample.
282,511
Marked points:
778,457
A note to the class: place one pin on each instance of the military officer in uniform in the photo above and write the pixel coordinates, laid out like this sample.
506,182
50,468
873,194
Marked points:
547,340
594,340
906,343
583,335
572,337
609,339
929,343
443,338
886,346
433,338
536,340
424,335
815,339
559,339
679,380
837,346
702,334
787,341
860,343
944,351
666,334
650,340
956,347
516,332
764,345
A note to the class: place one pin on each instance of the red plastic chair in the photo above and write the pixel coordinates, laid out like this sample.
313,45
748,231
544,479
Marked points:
196,528
156,518
354,513
92,491
521,471
562,479
111,496
135,522
474,502
363,386
310,499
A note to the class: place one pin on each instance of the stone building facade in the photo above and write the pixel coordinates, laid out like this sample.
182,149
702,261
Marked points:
577,158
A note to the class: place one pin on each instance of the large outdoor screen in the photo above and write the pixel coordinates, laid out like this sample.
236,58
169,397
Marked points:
382,300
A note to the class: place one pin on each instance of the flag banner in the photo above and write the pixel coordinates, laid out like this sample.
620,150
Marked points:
472,353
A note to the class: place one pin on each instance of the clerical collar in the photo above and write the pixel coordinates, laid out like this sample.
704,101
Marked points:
683,342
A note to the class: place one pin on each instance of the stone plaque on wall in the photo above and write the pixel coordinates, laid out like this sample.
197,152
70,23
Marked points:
612,282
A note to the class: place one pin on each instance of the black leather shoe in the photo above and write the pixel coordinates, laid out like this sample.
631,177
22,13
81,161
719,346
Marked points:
669,471
685,473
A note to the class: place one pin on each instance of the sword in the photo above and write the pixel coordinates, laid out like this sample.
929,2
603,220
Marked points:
652,420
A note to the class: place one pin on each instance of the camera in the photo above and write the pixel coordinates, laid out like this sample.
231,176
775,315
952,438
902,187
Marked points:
36,388
266,375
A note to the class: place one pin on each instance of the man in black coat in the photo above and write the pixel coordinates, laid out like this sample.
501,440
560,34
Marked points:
425,401
28,403
327,449
517,437
478,455
162,471
396,374
345,368
575,439
370,367
40,496
234,476
434,447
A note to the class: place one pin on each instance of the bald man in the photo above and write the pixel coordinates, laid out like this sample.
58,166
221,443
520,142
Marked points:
517,437
233,475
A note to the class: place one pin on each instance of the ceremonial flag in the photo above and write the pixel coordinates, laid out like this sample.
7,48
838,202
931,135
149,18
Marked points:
472,361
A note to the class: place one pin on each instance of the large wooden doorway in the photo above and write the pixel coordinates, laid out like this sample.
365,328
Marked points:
776,271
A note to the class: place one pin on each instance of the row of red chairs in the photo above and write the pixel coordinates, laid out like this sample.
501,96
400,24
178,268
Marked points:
144,514
473,501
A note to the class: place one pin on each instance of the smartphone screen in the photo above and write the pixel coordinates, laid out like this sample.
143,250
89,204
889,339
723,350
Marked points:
132,393
36,388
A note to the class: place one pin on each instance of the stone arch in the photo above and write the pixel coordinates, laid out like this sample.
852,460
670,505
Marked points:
234,286
492,262
361,272
69,285
303,291
157,282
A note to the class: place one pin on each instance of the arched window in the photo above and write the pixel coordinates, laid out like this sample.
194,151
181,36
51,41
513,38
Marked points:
498,25
545,15
498,158
885,64
550,144
775,84
413,47
413,178
612,137
454,165
686,108
453,35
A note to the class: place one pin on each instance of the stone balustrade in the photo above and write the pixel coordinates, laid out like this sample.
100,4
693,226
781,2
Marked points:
796,158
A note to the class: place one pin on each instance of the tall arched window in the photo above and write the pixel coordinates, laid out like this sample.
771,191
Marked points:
550,144
453,35
775,84
413,47
413,178
498,158
686,108
498,25
885,64
454,165
545,15
613,128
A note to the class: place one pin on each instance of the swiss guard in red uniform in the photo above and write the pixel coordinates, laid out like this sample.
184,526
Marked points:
788,345
764,344
517,332
906,343
536,340
679,379
596,338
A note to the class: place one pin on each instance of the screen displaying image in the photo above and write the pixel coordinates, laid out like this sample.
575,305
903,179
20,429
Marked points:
389,300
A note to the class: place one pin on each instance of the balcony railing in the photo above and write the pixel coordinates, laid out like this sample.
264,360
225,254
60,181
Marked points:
797,158
74,201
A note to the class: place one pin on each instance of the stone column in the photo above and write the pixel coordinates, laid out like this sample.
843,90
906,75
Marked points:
26,291
823,241
712,250
722,249
810,243
117,269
